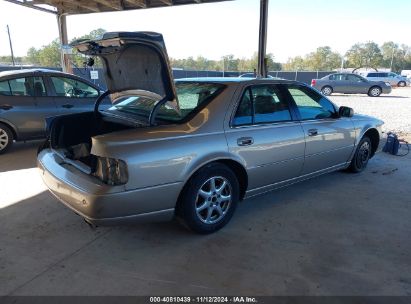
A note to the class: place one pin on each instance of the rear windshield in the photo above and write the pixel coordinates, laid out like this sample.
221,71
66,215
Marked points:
192,97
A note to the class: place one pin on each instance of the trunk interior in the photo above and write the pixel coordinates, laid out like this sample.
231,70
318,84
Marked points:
71,135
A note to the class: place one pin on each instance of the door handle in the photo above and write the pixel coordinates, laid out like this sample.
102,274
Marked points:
312,132
6,107
245,141
67,106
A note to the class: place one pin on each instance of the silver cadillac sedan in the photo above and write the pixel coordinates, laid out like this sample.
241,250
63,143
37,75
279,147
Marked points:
194,148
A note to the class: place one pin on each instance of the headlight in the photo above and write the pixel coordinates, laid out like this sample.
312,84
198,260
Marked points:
111,171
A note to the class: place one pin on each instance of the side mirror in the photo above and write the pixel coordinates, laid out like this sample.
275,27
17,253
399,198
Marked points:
346,112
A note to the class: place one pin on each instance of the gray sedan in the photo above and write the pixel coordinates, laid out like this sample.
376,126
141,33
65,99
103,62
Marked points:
192,149
349,83
28,97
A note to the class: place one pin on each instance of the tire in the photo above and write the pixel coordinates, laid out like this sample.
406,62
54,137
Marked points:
327,90
362,155
402,84
375,91
6,138
203,208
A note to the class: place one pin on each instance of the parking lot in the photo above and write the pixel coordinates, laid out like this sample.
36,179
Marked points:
339,234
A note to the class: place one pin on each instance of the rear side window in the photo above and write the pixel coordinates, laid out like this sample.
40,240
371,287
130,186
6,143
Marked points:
310,104
27,86
337,77
372,75
262,104
5,88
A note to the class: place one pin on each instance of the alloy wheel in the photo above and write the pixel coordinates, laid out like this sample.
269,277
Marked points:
363,154
326,91
213,200
375,92
4,139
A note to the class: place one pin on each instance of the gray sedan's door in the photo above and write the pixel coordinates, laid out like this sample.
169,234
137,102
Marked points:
339,83
329,139
27,106
263,134
72,95
358,85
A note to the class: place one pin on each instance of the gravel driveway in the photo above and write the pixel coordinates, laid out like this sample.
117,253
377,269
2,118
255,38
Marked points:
394,109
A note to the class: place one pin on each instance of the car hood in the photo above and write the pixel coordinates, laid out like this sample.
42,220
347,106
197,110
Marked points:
133,61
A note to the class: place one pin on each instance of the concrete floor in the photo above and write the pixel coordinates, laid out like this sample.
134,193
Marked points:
339,234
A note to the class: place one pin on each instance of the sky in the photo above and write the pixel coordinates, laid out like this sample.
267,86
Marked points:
295,27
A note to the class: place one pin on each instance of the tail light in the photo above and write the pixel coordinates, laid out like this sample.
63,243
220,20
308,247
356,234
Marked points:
111,171
313,82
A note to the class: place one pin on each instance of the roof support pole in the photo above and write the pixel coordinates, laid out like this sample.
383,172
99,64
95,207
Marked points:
62,24
262,40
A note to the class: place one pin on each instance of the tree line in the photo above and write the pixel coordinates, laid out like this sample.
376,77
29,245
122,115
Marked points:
369,54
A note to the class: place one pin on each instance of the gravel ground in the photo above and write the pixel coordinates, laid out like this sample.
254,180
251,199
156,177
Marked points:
394,109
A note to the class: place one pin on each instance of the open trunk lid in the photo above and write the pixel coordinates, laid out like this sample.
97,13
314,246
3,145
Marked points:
134,61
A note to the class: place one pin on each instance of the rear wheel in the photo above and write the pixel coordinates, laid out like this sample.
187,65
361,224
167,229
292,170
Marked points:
374,91
209,199
402,84
362,155
6,138
327,90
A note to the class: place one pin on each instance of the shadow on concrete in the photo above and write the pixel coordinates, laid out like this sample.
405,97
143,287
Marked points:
22,155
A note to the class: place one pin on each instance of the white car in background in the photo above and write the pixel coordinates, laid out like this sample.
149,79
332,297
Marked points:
393,79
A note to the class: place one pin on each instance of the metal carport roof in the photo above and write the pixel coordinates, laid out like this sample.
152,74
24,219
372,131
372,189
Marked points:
63,8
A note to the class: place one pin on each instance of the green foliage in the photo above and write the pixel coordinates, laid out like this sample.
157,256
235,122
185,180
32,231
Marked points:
364,55
323,59
227,62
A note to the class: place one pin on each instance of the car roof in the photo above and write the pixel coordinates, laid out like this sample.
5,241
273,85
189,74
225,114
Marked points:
232,80
31,71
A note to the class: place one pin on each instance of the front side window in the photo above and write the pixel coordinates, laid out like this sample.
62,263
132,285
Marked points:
70,87
310,104
192,96
392,75
27,86
262,104
354,78
5,88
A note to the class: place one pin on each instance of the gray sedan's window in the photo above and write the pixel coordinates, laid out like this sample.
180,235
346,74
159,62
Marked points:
262,104
69,87
310,104
27,86
4,88
354,78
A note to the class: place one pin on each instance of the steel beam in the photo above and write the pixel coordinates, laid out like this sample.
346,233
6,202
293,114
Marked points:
62,25
262,40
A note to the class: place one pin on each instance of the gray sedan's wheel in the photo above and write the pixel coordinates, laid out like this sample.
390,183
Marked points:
209,199
374,91
327,90
402,84
361,156
6,138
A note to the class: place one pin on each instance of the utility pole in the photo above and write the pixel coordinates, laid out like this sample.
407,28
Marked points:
11,46
392,58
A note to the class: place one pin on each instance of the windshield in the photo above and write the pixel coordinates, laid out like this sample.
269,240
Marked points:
192,97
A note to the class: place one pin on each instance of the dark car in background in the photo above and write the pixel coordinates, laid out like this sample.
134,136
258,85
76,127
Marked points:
349,83
28,97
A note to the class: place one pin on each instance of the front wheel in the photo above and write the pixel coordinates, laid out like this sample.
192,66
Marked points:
209,199
402,84
375,92
362,155
6,138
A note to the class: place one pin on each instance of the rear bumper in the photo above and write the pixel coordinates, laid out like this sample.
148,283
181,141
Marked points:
100,204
